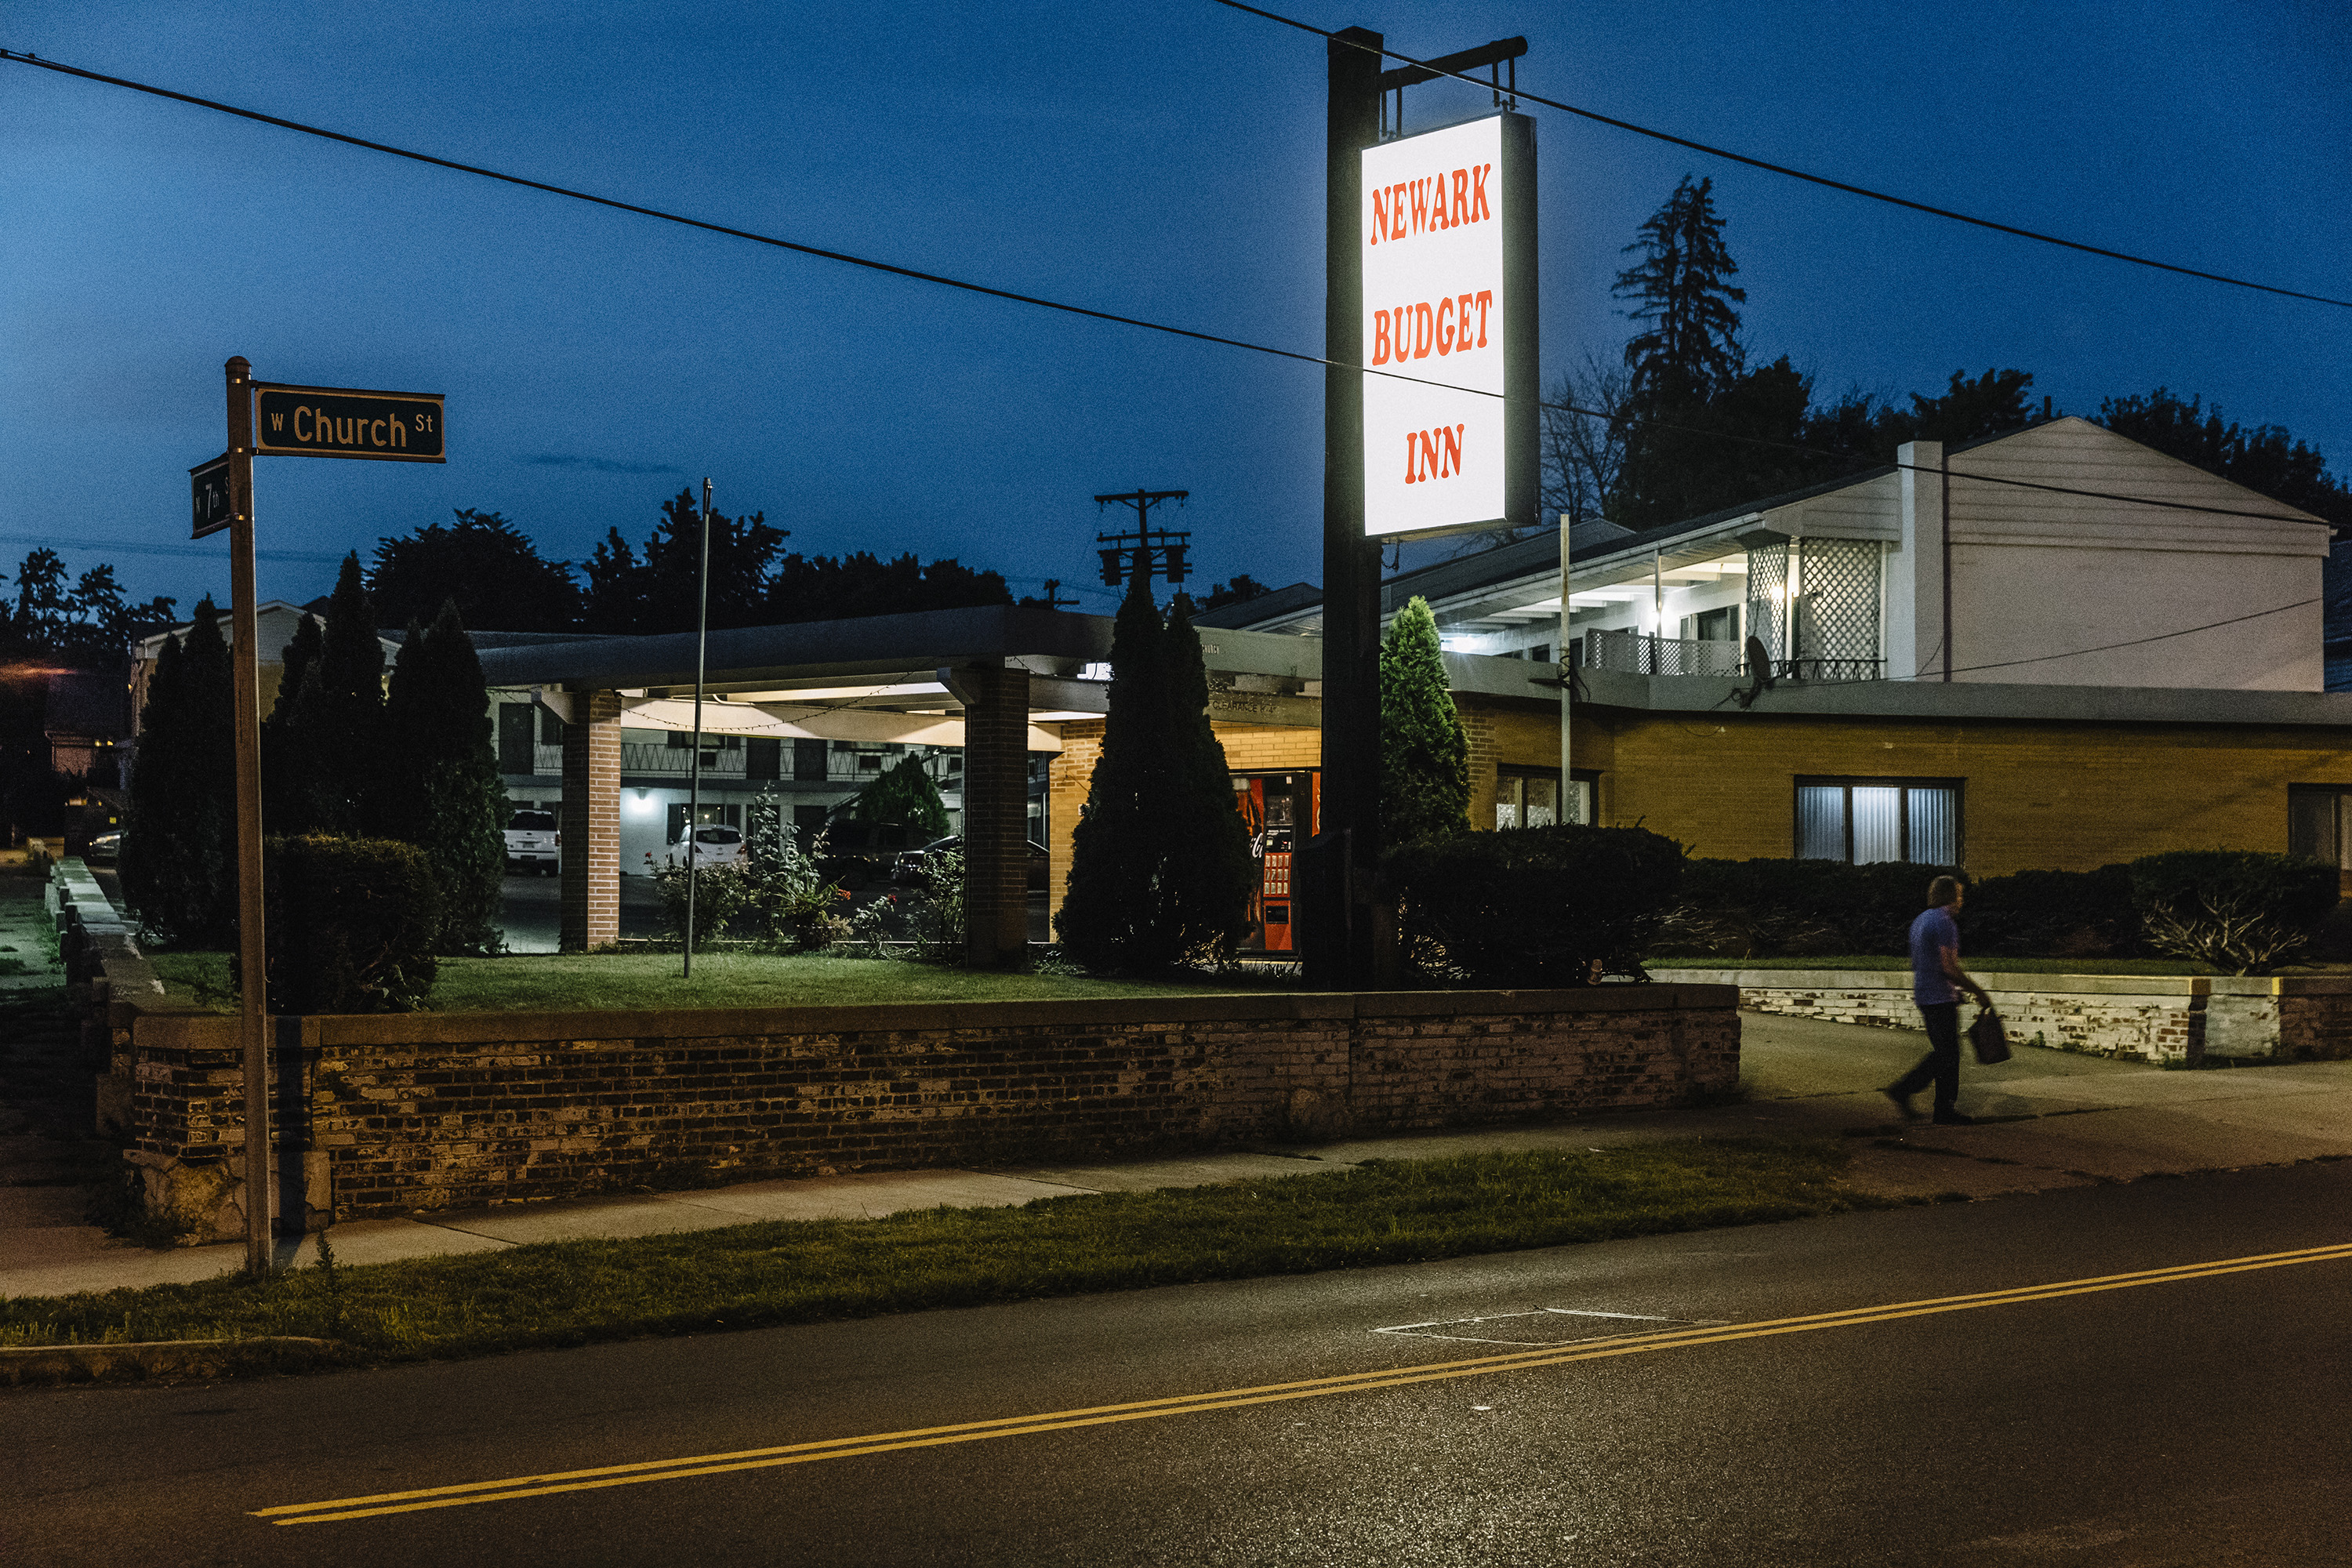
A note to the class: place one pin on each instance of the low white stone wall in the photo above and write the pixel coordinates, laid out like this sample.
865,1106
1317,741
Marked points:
2153,1017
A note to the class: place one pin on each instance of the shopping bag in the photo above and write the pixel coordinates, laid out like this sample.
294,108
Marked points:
1989,1037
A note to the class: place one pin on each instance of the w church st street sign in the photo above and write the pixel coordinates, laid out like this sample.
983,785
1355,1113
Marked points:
337,422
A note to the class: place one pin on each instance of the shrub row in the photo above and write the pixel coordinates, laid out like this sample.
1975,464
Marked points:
1558,906
2241,911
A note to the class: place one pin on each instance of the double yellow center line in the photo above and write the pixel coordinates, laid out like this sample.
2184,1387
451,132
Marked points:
513,1487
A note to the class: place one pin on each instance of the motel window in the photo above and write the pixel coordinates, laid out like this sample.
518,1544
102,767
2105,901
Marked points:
2319,823
1866,821
1529,797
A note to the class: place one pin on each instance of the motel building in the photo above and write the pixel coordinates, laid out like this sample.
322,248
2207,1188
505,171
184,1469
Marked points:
1960,671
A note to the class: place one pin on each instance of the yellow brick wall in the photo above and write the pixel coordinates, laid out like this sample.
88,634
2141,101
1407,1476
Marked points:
1724,785
2071,797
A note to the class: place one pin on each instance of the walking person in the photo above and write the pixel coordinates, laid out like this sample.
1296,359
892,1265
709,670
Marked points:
1937,981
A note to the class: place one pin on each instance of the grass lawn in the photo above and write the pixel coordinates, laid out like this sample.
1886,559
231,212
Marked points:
1873,961
554,983
576,1292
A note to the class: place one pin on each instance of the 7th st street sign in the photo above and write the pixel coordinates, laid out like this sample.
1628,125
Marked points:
340,422
209,507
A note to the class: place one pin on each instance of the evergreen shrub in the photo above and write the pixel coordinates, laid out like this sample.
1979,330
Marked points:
1533,906
351,924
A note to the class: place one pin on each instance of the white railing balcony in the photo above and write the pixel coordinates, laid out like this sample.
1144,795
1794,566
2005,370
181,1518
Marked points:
677,761
1640,653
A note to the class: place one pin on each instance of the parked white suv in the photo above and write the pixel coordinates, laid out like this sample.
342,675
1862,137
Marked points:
533,842
714,845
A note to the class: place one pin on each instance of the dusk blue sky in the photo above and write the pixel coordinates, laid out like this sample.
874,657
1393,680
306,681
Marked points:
1159,160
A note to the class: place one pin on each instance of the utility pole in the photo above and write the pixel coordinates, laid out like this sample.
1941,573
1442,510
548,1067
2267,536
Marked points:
1145,552
694,762
1053,600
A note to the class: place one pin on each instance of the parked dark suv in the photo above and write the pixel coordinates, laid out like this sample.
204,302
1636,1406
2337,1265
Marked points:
914,867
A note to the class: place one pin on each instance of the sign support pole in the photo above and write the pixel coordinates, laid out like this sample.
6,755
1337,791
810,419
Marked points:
694,761
253,951
1338,946
1567,687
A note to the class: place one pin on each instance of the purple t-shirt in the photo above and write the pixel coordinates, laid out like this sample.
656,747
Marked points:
1932,931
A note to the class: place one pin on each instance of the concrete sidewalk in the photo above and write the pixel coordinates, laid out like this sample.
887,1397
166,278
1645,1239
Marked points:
2058,1119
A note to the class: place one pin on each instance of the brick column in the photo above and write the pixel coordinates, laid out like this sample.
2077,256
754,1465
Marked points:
996,816
592,821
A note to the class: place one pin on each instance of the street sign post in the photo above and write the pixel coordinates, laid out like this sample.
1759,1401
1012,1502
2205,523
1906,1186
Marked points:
294,422
209,508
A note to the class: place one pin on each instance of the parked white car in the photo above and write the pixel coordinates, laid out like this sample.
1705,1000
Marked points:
533,842
714,845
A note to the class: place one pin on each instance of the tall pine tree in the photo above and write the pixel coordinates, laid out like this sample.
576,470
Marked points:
1107,909
1160,870
337,716
1208,874
285,793
179,846
442,790
1686,355
1424,755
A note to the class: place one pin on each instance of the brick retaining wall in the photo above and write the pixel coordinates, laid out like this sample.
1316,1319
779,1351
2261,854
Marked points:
2152,1017
430,1111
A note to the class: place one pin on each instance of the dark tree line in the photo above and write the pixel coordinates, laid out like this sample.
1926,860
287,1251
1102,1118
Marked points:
85,623
498,579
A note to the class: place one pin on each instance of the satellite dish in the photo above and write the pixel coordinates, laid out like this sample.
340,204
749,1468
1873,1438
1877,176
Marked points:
1759,672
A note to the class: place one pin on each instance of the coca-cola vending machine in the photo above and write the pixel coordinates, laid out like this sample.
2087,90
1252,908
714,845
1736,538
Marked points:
1282,810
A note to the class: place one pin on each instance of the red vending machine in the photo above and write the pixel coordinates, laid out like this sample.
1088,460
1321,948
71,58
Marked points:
1282,812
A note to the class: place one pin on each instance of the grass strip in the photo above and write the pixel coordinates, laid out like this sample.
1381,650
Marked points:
579,1292
1977,965
561,982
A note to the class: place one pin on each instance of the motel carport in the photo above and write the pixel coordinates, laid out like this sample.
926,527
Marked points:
1002,682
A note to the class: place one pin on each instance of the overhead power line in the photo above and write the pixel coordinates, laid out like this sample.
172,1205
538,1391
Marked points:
2134,642
119,547
917,275
1825,180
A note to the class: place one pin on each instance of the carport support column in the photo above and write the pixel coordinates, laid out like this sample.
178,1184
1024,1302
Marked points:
592,821
995,815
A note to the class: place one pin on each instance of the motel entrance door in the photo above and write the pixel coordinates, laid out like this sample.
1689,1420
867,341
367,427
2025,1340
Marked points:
1283,810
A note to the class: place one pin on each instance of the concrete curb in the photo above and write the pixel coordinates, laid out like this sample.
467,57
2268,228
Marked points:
22,1366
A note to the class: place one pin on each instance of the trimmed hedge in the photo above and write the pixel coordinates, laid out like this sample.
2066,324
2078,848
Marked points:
351,924
2053,914
1533,906
2242,910
1772,909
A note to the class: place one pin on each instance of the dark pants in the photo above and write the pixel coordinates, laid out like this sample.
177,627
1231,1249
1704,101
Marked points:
1941,1064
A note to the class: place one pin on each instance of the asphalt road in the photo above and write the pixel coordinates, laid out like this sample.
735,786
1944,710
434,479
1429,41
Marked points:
2199,1417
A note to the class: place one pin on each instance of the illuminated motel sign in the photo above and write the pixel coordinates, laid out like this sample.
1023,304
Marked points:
1448,245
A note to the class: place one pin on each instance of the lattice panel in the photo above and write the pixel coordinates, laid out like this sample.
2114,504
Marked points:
1837,599
1767,589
